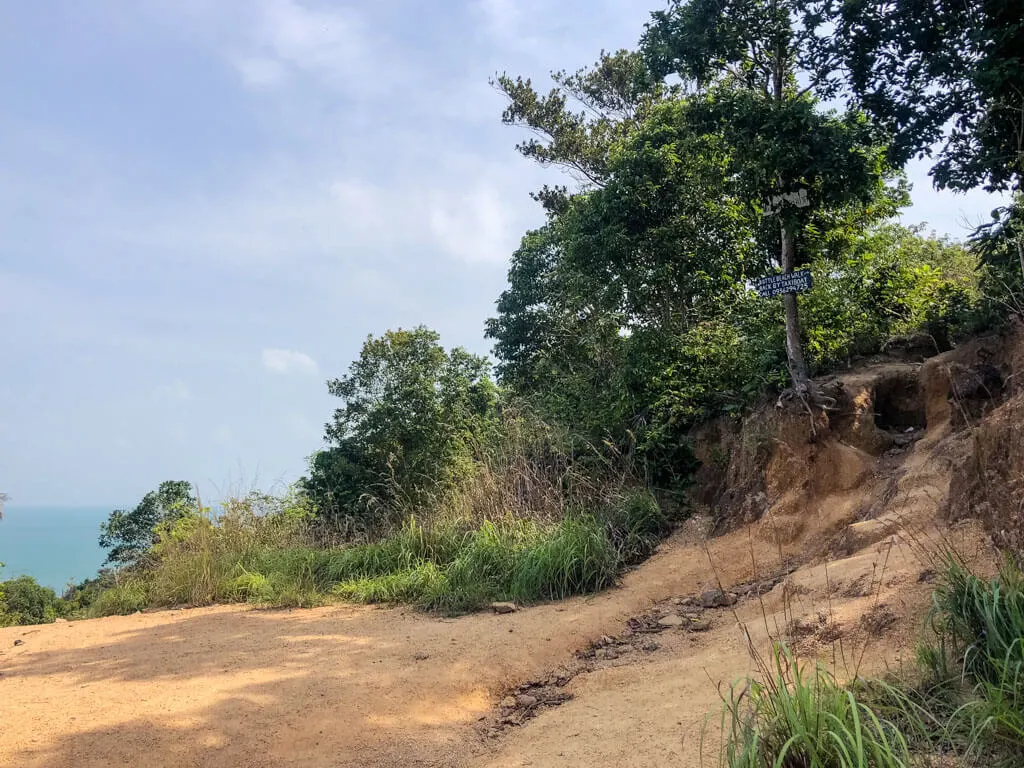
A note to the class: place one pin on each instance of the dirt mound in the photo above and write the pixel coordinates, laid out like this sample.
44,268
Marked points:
816,476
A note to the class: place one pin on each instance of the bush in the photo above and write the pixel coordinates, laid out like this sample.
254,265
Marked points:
25,601
128,596
636,524
463,570
261,550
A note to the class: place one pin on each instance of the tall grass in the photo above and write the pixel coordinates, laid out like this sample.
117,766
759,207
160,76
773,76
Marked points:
978,627
268,557
505,560
968,702
799,716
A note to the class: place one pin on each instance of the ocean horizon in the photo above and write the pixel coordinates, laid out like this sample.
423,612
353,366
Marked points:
54,544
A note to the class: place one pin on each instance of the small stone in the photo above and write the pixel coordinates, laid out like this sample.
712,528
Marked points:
509,702
650,646
19,642
671,621
605,640
60,621
702,625
421,657
716,598
504,607
526,701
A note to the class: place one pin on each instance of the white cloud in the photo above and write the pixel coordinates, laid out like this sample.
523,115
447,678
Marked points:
333,46
289,361
473,227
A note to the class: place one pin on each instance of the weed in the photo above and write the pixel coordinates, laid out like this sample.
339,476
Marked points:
799,716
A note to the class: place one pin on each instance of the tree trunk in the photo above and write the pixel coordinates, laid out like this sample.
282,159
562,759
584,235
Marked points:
794,349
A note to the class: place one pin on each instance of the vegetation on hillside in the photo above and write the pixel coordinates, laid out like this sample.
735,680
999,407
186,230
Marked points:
741,138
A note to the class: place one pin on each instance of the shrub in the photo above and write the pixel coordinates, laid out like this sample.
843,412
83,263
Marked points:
635,523
979,628
25,601
128,596
462,570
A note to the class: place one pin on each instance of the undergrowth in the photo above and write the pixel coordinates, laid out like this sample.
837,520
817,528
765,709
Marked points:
447,565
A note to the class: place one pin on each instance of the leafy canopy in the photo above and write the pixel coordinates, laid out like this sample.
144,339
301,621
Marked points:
941,71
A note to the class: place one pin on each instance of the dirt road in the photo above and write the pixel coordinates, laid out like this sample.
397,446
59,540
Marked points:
352,686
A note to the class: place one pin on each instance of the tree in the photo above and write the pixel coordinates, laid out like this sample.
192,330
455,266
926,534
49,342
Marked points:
612,97
941,71
4,498
411,411
129,535
757,69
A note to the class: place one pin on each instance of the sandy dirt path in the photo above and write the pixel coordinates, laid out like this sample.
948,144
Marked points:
353,686
335,686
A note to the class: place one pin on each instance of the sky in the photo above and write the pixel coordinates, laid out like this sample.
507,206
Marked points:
207,205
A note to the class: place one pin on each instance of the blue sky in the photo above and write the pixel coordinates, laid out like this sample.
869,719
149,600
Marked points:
206,206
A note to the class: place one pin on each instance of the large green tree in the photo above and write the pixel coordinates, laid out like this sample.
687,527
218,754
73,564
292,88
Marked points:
757,69
946,72
128,535
410,414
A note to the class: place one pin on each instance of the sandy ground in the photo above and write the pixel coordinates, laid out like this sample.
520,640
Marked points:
352,686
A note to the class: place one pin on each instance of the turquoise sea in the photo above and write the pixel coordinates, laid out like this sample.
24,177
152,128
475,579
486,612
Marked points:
54,544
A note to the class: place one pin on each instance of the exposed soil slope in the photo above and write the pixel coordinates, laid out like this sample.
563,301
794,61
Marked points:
863,487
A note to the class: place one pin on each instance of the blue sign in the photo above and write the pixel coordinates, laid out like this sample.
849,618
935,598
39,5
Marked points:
787,282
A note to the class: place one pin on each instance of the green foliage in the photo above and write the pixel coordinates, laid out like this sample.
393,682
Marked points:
24,601
799,716
946,71
629,317
614,95
892,281
259,550
126,596
410,413
635,523
458,570
129,534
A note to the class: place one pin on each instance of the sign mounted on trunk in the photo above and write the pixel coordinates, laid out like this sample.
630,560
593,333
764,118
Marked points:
788,282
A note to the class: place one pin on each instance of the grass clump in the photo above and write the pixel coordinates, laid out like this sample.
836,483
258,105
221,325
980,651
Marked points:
127,596
799,716
465,569
976,660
